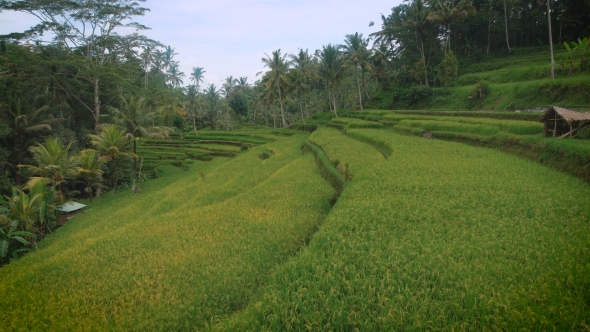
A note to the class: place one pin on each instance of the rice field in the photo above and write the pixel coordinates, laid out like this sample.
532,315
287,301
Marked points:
442,236
346,154
380,232
195,246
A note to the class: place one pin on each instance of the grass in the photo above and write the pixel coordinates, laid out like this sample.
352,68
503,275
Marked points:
193,247
442,236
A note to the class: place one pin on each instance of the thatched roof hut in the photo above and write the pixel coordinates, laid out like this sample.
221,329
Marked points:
560,122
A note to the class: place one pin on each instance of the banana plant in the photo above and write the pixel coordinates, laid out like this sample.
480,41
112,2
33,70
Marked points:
569,57
12,243
582,48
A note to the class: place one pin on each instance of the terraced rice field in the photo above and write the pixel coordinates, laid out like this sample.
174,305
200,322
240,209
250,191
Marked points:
425,235
209,144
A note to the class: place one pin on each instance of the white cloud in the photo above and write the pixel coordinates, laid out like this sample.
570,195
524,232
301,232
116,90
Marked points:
229,37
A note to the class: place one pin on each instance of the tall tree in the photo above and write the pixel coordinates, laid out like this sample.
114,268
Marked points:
331,63
197,76
357,55
23,118
277,66
113,144
87,25
447,12
135,119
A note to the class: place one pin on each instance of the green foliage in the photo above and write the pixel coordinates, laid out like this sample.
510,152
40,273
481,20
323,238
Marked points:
417,71
13,243
448,69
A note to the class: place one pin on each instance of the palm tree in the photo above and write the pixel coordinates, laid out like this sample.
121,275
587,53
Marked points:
242,84
23,119
169,57
147,57
356,54
419,13
175,76
54,163
197,76
89,169
277,69
297,85
134,118
448,11
227,89
194,105
112,143
331,64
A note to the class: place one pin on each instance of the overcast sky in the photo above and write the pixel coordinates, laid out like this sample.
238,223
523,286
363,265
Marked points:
229,37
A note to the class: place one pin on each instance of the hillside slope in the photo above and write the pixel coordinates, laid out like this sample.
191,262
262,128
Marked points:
509,82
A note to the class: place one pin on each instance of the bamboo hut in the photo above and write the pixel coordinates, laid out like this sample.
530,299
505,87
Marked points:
560,122
68,211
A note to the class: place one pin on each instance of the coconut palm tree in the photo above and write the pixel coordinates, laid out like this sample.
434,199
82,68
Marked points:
194,105
197,76
242,84
23,119
297,85
113,144
278,67
89,170
446,12
331,65
228,86
54,163
175,76
357,55
137,122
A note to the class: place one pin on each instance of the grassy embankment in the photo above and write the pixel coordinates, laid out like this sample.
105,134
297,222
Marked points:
194,246
517,81
441,236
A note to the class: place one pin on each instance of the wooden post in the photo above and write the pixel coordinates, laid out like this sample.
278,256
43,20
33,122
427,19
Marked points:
555,126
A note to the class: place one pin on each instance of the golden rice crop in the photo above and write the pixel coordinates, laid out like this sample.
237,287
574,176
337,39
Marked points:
192,247
441,236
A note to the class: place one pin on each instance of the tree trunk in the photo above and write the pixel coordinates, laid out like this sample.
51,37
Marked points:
489,34
115,174
134,161
19,160
266,116
359,88
195,125
550,39
301,109
281,103
506,26
334,99
96,103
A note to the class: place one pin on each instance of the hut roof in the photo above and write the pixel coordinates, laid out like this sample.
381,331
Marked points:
567,115
70,207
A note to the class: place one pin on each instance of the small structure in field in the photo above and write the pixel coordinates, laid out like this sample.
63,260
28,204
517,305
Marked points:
68,211
560,122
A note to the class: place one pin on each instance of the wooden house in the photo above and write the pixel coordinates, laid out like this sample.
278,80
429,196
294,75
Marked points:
560,122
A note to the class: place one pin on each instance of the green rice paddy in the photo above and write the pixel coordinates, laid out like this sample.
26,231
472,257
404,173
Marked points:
381,232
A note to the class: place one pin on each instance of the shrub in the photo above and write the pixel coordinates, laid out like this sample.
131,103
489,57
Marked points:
448,68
